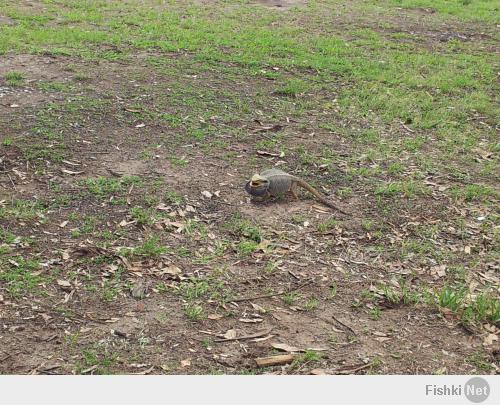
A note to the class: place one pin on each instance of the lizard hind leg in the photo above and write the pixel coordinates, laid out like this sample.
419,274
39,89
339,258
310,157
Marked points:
294,191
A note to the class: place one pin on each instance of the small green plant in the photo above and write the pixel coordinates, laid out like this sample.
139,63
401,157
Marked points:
292,88
270,267
246,247
311,304
176,161
172,197
242,227
367,224
14,79
20,276
7,142
484,307
95,360
150,248
290,298
298,219
327,225
23,210
390,295
451,298
104,186
141,216
407,189
194,312
480,360
333,290
194,288
472,192
308,357
344,192
110,291
53,86
375,313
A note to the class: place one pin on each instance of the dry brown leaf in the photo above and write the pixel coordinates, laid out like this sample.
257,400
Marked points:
215,317
64,284
285,348
71,163
251,320
265,153
172,270
70,172
63,224
319,371
206,194
258,308
438,271
185,363
265,128
490,339
230,334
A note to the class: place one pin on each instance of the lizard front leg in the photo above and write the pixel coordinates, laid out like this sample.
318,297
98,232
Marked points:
261,198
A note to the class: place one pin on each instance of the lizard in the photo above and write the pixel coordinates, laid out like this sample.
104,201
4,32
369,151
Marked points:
276,182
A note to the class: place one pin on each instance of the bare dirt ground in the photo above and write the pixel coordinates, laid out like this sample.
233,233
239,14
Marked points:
231,280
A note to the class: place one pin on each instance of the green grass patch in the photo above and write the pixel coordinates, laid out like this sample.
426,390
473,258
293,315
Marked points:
20,276
14,79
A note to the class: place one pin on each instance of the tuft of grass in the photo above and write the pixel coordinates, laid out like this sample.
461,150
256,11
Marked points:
20,276
290,298
53,87
22,210
96,359
172,197
14,79
327,225
311,304
194,288
407,189
244,228
481,361
451,298
292,88
142,216
472,192
177,161
246,247
375,313
194,312
151,247
308,357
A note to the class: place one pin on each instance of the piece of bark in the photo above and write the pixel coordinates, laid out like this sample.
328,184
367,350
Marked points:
274,360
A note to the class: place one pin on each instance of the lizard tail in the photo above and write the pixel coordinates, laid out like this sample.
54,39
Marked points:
317,194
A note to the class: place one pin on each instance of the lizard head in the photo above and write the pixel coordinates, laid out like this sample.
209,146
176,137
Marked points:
257,186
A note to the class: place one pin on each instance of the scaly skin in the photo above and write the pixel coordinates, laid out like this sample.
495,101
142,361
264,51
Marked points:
275,182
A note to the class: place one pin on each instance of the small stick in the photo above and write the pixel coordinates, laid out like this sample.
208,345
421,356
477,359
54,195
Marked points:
345,326
354,370
252,336
274,360
13,185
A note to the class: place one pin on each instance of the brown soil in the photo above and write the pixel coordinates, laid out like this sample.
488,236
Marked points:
50,333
